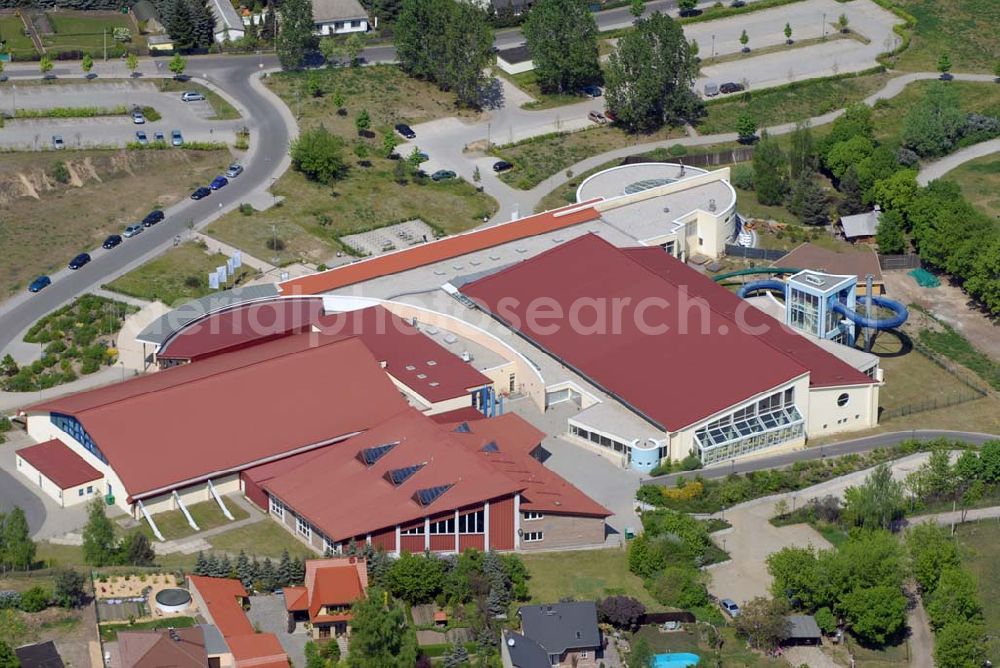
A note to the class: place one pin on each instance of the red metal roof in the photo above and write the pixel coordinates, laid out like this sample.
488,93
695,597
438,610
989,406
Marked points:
243,325
667,342
442,249
224,599
234,410
58,463
257,650
458,416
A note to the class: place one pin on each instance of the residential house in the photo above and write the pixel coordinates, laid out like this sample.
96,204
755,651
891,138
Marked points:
228,24
339,17
331,588
558,634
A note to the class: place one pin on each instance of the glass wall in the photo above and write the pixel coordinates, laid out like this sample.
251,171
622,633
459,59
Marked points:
762,424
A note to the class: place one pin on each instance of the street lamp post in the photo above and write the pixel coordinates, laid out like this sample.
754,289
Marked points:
824,25
713,46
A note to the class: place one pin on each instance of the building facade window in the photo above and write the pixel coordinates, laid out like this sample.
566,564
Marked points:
413,531
72,426
329,547
443,527
80,491
277,508
843,399
90,489
530,515
472,523
302,527
765,423
598,439
533,536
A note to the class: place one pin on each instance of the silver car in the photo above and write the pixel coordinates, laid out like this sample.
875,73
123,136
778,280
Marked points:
57,142
234,170
137,117
711,89
192,96
730,607
132,230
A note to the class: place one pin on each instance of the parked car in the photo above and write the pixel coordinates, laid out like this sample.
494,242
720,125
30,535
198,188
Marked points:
90,76
219,182
730,607
502,166
593,91
201,193
442,175
610,115
57,142
234,170
152,218
191,96
137,117
731,87
40,284
597,117
140,137
711,89
406,131
112,241
79,261
158,137
49,77
175,138
132,230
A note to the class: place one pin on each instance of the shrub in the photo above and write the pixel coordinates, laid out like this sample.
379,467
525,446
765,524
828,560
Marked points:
318,154
742,176
825,620
275,244
35,599
246,209
691,463
906,157
9,599
691,490
60,172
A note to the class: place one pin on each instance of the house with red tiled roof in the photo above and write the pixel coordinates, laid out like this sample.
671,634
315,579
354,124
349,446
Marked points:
331,587
59,472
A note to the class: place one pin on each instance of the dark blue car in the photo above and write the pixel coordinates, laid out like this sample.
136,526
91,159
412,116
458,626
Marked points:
39,284
219,182
79,261
152,218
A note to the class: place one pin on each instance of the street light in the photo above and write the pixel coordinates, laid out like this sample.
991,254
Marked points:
713,46
824,25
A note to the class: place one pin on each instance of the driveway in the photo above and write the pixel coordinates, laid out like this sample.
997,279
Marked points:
267,614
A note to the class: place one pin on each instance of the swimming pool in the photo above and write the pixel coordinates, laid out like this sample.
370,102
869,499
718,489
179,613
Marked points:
675,660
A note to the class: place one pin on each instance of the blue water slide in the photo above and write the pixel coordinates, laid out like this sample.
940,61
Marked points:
899,310
759,286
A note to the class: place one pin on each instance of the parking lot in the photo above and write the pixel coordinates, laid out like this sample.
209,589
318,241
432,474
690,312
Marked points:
193,119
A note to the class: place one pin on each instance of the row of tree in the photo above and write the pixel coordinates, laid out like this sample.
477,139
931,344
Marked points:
190,23
252,573
102,548
17,550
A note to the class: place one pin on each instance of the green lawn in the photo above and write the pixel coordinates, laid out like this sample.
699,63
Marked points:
980,183
263,539
85,31
207,515
177,276
583,575
980,545
109,632
528,82
12,32
980,97
694,639
71,556
965,29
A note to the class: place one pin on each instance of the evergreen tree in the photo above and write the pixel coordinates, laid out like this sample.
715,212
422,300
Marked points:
469,40
495,603
225,566
746,127
379,636
268,575
809,201
458,656
254,571
561,36
136,550
243,572
853,201
295,34
203,28
212,566
70,588
770,172
18,548
298,571
200,564
98,536
285,574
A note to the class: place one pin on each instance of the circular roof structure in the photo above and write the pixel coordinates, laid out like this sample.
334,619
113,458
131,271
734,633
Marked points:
632,179
645,184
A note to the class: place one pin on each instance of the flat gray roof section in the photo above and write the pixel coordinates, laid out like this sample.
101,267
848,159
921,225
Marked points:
803,627
558,627
816,280
160,330
611,418
226,17
614,181
860,225
214,642
656,216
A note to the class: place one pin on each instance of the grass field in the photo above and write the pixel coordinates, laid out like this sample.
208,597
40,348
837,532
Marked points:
980,183
964,29
528,82
263,539
908,376
790,103
176,276
12,32
583,575
207,515
980,547
981,97
71,556
79,31
45,223
109,632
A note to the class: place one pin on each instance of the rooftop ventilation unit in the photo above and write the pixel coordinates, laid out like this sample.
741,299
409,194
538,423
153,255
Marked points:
711,205
466,356
813,280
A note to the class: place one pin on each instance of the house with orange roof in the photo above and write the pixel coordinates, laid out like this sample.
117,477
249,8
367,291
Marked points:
331,587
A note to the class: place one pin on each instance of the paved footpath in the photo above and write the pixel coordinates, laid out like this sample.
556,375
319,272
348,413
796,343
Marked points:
939,168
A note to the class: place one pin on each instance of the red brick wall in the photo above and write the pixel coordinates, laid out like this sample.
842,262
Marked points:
502,524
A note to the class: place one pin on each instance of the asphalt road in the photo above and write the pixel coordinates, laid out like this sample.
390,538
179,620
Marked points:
854,446
269,139
13,492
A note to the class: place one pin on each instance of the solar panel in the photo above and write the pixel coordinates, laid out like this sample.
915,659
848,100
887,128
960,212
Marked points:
399,476
369,456
426,497
490,447
463,428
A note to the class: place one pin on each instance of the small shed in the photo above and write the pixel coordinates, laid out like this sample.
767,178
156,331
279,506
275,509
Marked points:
803,630
160,43
860,227
515,60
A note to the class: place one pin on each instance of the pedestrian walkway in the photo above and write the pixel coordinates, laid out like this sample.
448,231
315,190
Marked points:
938,168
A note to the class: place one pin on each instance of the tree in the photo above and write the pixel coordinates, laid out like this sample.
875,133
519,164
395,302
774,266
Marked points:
680,585
295,36
136,550
931,551
332,49
960,645
842,23
848,152
996,70
458,656
972,495
795,576
650,74
770,172
809,201
826,620
317,153
362,122
955,599
415,579
177,65
243,571
284,574
132,62
762,622
746,127
389,142
932,125
890,234
561,36
70,588
877,503
898,191
637,7
944,64
7,657
338,102
622,612
744,40
802,152
98,536
87,63
13,629
379,636
267,578
45,65
850,188
18,548
354,46
641,655
200,564
875,614
788,33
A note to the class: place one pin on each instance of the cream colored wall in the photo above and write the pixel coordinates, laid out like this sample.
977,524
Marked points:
826,417
616,458
38,480
190,495
463,401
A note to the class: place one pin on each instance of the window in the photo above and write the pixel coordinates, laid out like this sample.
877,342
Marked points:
330,548
583,654
72,426
530,515
443,527
533,536
426,497
472,523
80,491
843,399
277,508
90,489
369,456
302,527
398,476
417,530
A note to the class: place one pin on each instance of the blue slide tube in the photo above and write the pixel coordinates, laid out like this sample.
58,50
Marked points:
898,309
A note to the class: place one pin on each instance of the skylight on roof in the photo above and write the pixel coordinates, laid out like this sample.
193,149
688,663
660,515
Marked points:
369,456
398,476
490,447
429,495
463,428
